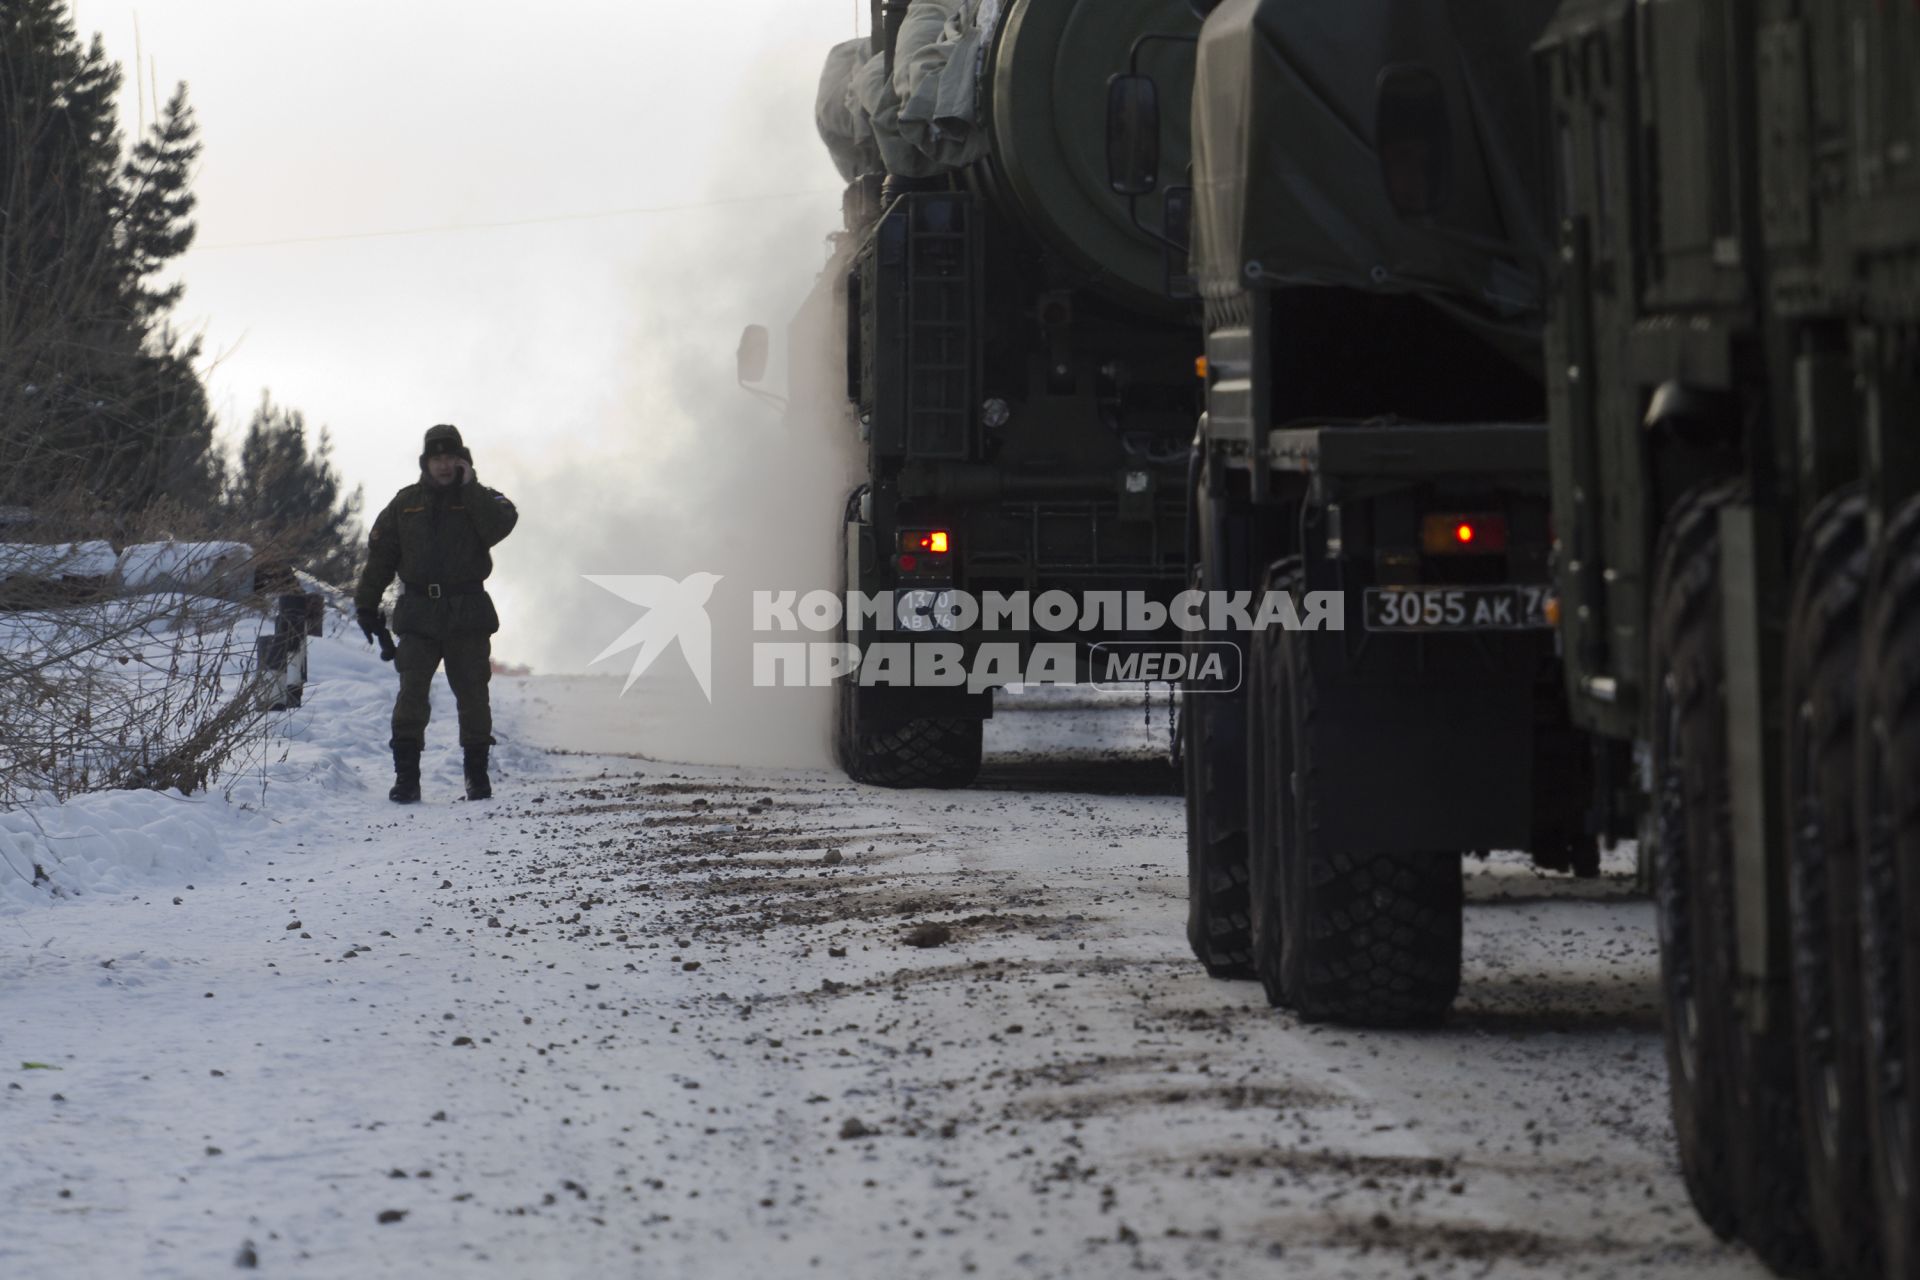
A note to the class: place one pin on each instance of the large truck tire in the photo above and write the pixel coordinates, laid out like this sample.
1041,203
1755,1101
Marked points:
929,751
1735,1089
1365,938
1889,816
1211,739
1264,783
1823,655
932,751
1221,536
1686,833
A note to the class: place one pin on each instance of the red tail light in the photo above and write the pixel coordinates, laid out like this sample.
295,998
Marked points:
932,542
1463,534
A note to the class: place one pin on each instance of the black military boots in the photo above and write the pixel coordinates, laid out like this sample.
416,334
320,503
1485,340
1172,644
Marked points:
406,773
478,787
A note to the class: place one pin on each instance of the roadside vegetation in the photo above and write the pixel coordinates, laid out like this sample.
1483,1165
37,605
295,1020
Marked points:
141,558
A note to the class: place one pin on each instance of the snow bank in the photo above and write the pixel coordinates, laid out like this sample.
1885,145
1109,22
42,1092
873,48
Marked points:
223,569
107,843
57,560
331,751
207,568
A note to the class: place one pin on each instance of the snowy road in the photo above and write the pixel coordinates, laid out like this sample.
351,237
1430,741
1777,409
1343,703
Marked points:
641,1019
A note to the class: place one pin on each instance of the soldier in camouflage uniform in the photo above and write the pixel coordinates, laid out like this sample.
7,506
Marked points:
436,535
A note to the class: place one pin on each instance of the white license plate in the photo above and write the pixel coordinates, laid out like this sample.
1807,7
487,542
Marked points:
1510,608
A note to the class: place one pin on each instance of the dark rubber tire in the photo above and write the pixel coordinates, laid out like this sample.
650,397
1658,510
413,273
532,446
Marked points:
939,752
1218,926
1735,1089
1684,812
1823,655
1223,535
1365,938
1267,731
1888,748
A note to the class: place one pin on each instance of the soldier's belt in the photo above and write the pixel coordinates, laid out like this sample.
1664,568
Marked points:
434,590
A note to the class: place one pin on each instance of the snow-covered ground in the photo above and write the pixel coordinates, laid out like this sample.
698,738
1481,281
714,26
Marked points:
637,1018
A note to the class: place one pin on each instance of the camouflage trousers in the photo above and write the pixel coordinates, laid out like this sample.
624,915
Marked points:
469,659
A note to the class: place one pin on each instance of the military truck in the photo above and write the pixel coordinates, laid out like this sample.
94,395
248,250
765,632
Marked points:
1734,375
1368,255
1024,382
1732,369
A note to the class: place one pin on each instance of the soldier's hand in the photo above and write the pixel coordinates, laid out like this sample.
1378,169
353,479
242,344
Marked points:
466,471
371,620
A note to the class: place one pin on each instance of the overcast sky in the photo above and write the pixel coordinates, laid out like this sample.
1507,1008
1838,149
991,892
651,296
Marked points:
588,359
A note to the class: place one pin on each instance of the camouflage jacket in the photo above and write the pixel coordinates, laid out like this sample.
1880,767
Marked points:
432,534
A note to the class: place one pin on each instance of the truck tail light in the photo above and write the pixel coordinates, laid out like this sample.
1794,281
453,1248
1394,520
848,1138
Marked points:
928,542
924,551
1458,533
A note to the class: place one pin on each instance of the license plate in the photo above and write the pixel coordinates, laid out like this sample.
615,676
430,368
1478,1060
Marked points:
1512,608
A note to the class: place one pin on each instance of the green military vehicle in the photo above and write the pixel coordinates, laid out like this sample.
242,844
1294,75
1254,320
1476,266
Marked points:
1368,253
1734,374
1024,385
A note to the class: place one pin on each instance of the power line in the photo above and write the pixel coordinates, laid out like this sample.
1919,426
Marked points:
517,222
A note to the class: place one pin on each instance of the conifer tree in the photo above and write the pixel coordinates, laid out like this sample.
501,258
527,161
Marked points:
159,201
97,393
290,494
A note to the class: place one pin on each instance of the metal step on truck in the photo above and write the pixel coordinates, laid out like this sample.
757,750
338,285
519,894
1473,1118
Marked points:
1368,258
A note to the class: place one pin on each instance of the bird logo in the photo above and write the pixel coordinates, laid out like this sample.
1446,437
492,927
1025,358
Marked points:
675,611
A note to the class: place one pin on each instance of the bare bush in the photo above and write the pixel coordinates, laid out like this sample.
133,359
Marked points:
147,675
116,669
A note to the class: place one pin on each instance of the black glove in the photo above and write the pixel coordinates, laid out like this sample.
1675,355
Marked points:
371,622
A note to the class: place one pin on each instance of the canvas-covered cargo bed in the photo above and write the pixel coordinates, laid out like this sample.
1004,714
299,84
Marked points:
1288,187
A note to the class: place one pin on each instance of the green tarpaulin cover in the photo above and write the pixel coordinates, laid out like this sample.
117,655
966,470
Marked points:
1288,189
